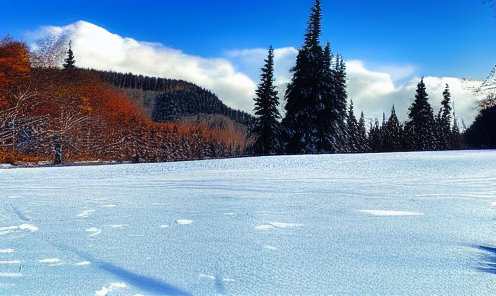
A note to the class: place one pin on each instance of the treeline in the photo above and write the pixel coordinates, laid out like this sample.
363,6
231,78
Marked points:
174,98
424,131
69,115
318,118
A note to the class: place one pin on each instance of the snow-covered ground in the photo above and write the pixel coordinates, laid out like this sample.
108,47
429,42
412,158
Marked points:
378,224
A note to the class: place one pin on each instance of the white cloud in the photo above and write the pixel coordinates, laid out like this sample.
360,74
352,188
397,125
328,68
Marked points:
95,47
234,77
375,93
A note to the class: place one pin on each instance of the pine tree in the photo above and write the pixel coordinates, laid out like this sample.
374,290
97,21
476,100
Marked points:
315,113
266,127
455,137
352,129
392,133
375,139
340,88
303,93
421,121
362,135
443,121
70,61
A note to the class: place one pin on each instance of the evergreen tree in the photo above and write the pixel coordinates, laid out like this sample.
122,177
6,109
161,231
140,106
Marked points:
443,123
392,133
266,126
340,88
375,141
70,61
455,137
315,110
362,135
304,92
352,128
327,114
421,121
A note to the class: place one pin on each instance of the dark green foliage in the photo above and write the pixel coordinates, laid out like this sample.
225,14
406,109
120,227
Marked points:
70,61
455,136
303,94
362,135
375,138
392,134
316,97
353,133
443,122
482,133
176,98
266,126
421,124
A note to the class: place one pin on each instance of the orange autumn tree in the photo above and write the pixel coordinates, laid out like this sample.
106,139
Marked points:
67,115
15,92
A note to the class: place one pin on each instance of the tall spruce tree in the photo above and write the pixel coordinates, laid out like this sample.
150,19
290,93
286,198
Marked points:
266,127
70,61
315,115
375,139
352,129
421,124
443,121
304,92
392,133
362,135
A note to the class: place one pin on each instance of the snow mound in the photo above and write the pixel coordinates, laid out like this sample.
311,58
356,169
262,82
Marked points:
114,286
85,214
50,260
271,225
390,213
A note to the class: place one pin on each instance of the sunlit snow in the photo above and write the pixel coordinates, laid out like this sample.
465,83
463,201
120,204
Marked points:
361,224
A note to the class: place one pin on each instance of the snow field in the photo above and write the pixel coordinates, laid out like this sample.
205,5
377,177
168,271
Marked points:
394,224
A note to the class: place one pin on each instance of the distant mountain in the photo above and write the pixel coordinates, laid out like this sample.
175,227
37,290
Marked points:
167,100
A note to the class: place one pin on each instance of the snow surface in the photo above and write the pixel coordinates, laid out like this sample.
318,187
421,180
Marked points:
364,224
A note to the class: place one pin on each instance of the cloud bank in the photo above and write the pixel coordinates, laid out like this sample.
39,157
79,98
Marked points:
234,77
95,47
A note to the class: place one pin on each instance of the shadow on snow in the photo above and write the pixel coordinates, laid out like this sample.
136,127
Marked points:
488,262
145,283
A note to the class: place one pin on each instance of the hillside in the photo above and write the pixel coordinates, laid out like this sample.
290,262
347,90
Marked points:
166,100
70,115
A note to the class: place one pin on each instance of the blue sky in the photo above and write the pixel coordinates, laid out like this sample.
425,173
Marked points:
387,44
455,38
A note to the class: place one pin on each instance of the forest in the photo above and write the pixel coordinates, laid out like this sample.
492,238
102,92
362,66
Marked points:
62,115
51,115
319,116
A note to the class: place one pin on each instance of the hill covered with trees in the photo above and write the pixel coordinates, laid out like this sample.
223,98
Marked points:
167,100
68,115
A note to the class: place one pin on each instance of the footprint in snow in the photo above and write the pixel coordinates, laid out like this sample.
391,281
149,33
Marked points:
94,231
52,261
86,214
